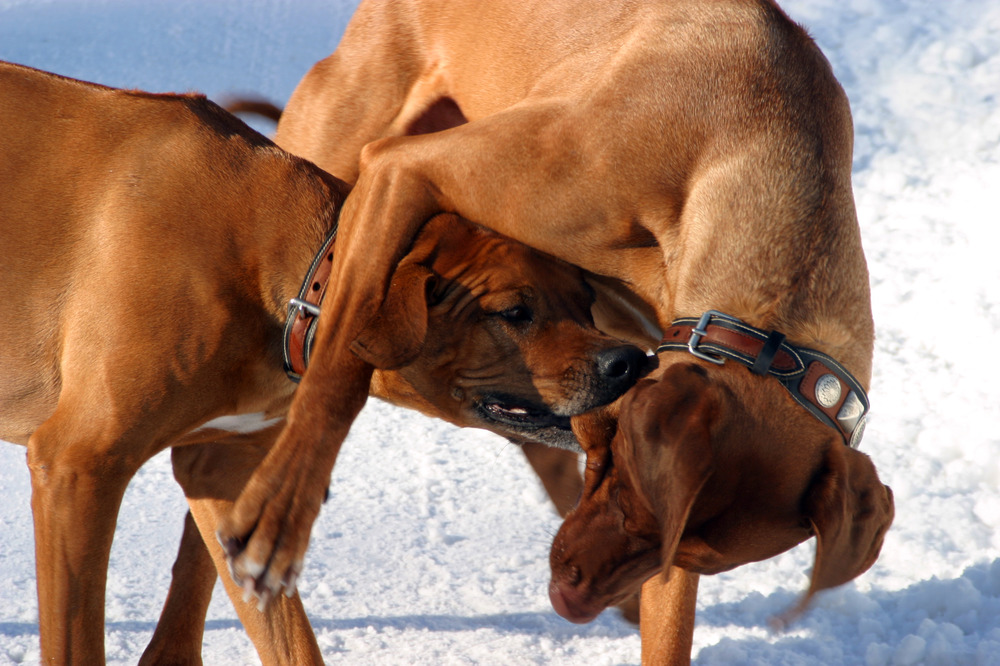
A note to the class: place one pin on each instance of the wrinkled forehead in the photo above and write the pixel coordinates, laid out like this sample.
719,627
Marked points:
487,263
513,262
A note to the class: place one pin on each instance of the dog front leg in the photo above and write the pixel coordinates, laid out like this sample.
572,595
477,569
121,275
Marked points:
76,493
666,619
212,475
281,634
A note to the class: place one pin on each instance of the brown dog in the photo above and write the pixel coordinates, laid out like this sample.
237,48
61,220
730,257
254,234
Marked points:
151,246
696,151
212,464
207,467
699,478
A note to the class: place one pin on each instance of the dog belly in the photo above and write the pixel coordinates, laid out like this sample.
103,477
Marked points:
240,423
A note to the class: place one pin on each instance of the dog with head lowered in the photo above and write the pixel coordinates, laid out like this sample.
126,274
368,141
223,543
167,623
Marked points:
689,478
696,154
163,266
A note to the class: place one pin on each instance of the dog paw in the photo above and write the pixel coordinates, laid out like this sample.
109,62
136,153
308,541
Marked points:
262,568
266,535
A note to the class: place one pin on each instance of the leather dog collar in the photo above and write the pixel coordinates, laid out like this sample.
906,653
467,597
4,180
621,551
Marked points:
303,311
816,381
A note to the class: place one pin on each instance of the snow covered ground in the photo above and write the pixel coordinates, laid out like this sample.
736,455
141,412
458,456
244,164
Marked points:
433,549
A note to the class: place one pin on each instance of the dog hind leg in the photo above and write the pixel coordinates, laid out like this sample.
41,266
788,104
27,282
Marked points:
181,629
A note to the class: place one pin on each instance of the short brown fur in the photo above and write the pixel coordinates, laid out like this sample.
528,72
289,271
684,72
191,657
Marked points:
150,245
695,153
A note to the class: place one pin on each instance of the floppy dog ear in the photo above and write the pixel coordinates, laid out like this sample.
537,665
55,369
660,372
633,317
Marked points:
850,511
396,334
667,426
621,314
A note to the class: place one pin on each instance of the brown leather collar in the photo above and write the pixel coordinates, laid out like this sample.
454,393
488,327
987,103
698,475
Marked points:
815,380
303,311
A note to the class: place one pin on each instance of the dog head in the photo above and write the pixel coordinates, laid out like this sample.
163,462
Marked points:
709,468
483,331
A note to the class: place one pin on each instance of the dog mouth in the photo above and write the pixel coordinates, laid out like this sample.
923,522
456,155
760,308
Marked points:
520,415
580,603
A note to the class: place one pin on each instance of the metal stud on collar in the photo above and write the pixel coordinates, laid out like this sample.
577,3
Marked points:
852,418
828,390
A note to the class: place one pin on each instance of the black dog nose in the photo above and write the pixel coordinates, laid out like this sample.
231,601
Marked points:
622,365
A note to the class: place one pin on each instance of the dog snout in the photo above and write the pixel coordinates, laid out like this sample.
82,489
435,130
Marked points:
621,367
571,604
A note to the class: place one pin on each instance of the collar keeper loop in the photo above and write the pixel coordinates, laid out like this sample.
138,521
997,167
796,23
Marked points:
762,364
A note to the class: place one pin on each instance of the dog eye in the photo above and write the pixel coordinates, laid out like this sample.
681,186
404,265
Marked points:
519,314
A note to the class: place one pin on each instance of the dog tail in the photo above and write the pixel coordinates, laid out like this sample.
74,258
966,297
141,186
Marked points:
253,105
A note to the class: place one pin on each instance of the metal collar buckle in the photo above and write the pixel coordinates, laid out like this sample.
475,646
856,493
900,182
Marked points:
302,308
699,332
